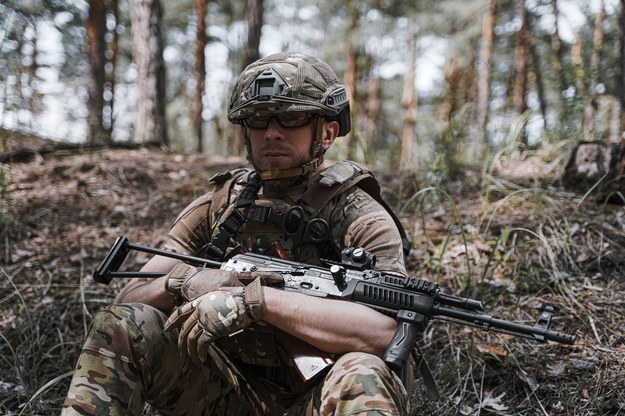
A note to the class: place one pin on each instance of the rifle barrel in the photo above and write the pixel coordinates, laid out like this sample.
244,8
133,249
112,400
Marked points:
487,322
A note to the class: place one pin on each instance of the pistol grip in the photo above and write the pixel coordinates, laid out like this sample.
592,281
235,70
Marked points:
410,324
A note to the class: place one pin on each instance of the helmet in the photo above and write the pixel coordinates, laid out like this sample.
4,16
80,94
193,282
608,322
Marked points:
290,82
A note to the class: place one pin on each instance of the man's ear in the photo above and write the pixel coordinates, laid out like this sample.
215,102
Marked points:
330,132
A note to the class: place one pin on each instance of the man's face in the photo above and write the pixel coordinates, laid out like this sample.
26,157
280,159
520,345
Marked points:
276,147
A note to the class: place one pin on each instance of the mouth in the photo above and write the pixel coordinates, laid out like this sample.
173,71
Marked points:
273,153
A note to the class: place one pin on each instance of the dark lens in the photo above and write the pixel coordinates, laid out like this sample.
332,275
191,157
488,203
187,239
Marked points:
257,122
288,120
294,119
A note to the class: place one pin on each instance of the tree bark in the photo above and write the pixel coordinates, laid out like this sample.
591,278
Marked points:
109,119
201,39
538,78
453,77
254,18
618,121
521,60
34,100
409,103
485,62
594,76
350,77
150,123
96,29
372,109
558,66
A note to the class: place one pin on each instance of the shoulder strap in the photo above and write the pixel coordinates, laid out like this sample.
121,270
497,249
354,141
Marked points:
223,183
342,176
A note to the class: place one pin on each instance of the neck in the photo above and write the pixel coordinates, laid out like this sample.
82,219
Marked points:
290,186
285,187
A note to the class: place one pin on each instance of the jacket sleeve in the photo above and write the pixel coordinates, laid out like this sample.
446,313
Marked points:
358,220
192,229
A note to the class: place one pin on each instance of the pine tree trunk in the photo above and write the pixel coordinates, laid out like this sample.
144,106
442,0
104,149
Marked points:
96,29
618,124
538,79
409,102
470,77
109,117
521,60
594,76
150,123
351,77
453,77
556,44
372,109
35,97
201,39
254,17
558,66
485,62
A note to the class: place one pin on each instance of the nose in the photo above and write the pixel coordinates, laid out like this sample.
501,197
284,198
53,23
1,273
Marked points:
274,130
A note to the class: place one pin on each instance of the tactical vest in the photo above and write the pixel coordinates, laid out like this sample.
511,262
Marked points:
235,205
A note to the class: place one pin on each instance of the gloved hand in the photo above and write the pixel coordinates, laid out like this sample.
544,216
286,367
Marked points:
187,282
218,314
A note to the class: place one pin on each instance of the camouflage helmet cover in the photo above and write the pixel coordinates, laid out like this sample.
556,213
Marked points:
290,82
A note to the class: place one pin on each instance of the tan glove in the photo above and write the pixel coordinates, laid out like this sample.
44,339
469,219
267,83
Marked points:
187,282
217,314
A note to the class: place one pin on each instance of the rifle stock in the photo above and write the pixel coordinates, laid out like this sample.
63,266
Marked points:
411,301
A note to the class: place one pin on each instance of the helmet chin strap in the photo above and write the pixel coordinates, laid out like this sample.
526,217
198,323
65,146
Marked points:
268,175
295,173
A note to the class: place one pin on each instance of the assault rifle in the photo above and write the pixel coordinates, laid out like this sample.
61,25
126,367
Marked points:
410,300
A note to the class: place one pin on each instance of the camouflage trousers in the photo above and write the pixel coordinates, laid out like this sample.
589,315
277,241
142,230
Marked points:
128,360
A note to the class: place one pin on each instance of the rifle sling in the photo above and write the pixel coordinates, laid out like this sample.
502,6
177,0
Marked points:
426,374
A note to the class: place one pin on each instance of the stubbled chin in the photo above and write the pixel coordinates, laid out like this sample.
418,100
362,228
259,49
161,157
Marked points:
276,163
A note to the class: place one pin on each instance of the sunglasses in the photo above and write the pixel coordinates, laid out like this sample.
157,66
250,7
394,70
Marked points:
286,120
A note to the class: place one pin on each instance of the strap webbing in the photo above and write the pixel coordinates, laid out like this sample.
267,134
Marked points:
229,228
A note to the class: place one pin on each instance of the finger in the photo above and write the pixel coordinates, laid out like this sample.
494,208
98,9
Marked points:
192,343
203,344
272,278
180,315
186,329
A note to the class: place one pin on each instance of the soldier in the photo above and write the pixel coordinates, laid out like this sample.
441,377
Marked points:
203,341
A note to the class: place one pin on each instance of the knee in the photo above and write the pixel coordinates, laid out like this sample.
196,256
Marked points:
358,365
360,382
128,330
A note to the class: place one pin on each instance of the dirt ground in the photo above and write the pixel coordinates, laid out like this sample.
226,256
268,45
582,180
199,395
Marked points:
515,242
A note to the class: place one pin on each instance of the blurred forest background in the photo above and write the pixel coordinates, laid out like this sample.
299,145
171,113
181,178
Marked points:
429,81
112,119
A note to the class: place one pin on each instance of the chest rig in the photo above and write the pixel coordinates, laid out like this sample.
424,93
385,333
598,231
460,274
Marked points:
299,223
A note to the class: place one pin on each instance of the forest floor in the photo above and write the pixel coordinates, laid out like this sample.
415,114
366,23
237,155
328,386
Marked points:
511,237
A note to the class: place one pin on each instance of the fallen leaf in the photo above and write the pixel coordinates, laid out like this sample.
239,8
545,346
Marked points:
585,393
556,369
492,349
494,402
19,254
